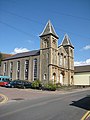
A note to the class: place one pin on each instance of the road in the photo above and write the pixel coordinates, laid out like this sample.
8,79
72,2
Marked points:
71,106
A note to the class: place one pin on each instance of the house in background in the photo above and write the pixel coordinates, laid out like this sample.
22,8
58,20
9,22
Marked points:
82,75
51,63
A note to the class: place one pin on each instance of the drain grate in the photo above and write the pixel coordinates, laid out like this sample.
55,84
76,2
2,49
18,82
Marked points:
18,99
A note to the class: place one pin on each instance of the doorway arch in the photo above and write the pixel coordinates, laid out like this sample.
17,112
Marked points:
54,77
61,78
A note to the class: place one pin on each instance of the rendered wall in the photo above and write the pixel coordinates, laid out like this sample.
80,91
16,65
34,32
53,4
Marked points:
82,79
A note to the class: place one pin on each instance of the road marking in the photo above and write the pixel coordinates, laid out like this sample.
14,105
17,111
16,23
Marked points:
31,106
4,97
86,115
37,104
34,105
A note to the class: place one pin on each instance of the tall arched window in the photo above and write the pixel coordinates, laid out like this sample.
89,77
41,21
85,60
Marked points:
4,68
64,61
26,69
11,69
35,69
55,57
45,43
61,59
18,70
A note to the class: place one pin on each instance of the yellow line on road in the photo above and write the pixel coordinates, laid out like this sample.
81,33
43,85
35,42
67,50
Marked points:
5,98
87,114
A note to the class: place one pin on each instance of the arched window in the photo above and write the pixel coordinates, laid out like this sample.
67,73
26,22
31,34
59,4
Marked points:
4,70
71,51
61,79
26,69
35,69
55,57
45,43
44,77
72,80
54,77
11,69
61,59
18,70
64,61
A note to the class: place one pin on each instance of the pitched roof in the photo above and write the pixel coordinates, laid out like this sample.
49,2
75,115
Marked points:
80,69
66,41
49,29
24,54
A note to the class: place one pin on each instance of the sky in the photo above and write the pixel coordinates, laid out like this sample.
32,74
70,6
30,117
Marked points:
22,21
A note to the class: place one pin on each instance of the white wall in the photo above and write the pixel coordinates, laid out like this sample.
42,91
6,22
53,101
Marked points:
82,79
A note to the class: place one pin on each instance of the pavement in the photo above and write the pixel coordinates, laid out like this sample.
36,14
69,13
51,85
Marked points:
14,94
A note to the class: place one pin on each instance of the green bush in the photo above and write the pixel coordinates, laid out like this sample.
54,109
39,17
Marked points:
58,85
36,84
50,87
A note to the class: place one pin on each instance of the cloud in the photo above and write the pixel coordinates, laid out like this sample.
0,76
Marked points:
87,47
79,63
19,50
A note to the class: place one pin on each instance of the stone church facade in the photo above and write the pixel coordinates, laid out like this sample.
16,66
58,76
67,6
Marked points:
52,63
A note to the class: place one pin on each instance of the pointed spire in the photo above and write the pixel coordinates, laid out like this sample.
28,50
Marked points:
66,41
49,29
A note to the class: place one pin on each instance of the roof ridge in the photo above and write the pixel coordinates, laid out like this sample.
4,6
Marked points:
24,54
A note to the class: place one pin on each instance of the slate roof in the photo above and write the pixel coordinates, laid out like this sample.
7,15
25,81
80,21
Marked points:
49,29
66,41
80,69
24,54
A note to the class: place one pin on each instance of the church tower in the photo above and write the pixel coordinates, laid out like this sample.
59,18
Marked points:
66,43
48,53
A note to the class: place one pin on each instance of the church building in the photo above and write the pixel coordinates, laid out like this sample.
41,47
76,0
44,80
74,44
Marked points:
51,63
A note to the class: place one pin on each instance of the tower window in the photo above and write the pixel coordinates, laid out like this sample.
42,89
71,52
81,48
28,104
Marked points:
45,43
71,53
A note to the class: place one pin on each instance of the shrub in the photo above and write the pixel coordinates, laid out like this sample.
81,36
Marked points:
36,84
58,85
50,87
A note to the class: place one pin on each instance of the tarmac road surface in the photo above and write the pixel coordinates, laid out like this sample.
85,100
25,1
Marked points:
71,106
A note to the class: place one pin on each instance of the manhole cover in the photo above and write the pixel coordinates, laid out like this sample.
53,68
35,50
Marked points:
18,99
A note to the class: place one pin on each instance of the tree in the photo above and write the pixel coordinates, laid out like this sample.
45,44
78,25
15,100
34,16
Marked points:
1,57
